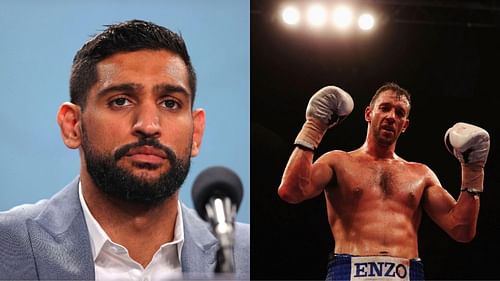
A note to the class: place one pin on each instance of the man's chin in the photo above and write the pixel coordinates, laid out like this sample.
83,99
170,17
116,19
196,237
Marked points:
145,175
142,186
386,141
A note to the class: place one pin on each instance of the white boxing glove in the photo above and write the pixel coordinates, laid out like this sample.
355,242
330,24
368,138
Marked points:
470,144
326,108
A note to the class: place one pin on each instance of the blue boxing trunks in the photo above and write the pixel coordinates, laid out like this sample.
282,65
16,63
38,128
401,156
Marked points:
347,267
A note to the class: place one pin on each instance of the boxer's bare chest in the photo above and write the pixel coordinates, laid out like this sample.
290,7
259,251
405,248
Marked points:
381,180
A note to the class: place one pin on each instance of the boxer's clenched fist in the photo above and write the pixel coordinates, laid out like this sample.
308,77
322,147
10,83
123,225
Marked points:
327,107
470,145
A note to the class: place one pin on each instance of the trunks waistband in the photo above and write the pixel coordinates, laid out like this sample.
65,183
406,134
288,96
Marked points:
333,255
349,267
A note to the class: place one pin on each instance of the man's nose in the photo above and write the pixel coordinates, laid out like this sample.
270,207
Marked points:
391,115
147,121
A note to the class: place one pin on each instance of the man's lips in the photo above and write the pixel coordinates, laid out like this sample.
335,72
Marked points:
147,154
388,128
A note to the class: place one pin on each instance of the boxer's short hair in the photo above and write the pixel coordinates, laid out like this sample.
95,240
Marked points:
400,92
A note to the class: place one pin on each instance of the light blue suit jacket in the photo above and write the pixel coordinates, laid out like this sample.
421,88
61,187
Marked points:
49,240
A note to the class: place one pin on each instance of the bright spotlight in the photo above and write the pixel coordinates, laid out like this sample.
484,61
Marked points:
316,15
342,17
290,15
366,22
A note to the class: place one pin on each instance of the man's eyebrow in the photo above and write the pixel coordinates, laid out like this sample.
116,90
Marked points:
166,89
127,88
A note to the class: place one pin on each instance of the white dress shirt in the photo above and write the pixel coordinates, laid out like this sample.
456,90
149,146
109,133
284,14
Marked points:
112,261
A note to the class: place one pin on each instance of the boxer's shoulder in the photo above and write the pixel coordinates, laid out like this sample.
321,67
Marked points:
334,156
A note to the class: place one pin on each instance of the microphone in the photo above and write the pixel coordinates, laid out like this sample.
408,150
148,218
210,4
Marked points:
217,193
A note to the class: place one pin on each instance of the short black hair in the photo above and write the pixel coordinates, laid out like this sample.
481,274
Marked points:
393,87
127,36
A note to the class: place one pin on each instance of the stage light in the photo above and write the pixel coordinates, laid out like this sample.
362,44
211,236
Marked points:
316,15
291,15
342,17
366,22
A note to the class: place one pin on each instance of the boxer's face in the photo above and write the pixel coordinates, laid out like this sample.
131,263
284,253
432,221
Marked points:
138,117
388,117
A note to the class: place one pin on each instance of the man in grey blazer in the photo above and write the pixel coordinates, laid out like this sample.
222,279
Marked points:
131,116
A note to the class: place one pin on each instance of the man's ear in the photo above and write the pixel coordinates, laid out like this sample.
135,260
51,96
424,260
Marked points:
368,111
69,119
405,125
198,129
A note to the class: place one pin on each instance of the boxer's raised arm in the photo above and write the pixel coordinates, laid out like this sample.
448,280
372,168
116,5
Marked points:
470,145
301,179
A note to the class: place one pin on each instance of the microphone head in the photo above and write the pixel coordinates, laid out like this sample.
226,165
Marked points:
216,181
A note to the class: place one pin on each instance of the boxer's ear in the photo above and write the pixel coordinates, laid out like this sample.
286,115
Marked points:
405,125
368,112
69,118
198,129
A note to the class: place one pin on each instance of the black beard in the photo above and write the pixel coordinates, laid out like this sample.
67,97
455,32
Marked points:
121,184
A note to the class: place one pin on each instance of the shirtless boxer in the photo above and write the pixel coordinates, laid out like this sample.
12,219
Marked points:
374,197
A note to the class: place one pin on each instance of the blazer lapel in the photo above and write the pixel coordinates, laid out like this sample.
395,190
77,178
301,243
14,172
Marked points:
60,240
200,245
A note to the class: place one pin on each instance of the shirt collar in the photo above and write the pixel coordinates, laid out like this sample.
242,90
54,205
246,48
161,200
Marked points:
98,237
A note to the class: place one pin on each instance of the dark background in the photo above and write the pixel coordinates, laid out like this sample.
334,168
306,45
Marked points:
446,53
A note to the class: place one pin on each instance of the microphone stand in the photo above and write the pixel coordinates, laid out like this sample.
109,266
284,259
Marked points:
222,214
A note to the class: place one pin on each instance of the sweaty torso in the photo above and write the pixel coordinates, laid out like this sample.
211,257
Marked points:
374,204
